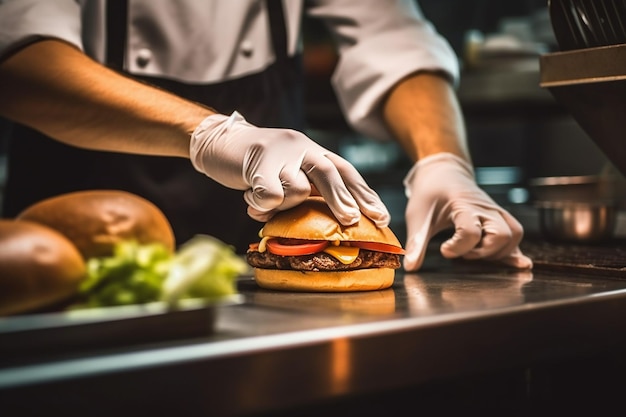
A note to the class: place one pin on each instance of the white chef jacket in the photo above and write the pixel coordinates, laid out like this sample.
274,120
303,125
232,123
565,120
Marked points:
203,42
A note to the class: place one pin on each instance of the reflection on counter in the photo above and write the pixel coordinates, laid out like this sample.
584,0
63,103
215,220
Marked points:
371,303
489,293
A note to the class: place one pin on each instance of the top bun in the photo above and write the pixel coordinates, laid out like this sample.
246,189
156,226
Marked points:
313,220
98,219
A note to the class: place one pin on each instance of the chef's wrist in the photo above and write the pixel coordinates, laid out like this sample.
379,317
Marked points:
197,116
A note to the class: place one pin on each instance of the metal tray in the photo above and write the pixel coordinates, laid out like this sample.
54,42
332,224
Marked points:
35,337
607,260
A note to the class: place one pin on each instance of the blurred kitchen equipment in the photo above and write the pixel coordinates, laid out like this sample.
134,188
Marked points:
579,222
515,44
579,24
580,209
566,26
604,187
588,77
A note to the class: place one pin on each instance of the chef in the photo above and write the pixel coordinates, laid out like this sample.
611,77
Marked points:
148,95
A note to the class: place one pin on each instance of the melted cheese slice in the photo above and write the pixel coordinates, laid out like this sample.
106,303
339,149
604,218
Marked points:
344,254
263,244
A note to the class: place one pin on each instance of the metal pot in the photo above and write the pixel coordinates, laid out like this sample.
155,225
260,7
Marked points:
584,222
577,208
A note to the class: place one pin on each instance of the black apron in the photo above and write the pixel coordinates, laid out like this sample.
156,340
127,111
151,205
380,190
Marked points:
40,167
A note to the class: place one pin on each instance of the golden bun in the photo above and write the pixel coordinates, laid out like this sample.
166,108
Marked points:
312,219
95,220
327,281
39,267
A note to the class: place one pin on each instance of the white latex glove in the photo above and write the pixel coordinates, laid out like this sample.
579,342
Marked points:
275,168
443,194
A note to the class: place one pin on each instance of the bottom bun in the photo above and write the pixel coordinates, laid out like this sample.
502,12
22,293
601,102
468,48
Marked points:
336,281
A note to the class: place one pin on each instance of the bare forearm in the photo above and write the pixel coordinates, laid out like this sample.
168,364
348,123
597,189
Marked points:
423,113
54,88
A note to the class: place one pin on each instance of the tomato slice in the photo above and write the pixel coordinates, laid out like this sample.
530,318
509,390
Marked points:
253,246
292,247
379,247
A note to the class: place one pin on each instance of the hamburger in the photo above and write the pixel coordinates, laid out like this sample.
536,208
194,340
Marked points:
305,248
39,267
96,220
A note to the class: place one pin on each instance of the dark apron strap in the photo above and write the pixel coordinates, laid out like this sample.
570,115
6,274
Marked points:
116,32
278,29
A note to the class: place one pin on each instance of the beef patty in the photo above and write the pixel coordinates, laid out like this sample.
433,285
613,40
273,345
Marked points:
322,261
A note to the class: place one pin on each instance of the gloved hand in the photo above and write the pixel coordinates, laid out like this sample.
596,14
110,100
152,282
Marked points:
275,168
443,194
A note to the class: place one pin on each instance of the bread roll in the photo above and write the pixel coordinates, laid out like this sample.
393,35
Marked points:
38,267
96,220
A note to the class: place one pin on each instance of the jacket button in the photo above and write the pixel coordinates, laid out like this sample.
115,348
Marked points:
143,58
246,48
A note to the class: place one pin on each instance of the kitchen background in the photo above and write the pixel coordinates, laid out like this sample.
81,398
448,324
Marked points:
516,130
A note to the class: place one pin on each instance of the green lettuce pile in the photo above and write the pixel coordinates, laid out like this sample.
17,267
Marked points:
204,267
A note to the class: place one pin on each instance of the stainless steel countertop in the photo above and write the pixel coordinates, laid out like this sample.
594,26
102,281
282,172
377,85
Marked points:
278,350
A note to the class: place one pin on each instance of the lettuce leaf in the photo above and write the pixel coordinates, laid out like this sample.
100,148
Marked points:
204,267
